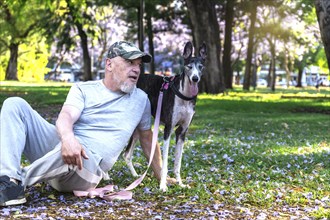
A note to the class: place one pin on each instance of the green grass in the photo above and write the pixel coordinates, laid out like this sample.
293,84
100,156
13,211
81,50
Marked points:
259,150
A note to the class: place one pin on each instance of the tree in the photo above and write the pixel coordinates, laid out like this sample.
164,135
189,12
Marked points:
227,69
248,75
74,17
19,20
205,28
323,17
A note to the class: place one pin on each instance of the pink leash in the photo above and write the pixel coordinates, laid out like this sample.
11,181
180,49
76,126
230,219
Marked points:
126,194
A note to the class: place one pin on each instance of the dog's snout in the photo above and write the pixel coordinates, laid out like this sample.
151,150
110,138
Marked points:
195,78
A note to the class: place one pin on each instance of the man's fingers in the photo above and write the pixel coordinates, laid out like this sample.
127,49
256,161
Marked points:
79,162
83,153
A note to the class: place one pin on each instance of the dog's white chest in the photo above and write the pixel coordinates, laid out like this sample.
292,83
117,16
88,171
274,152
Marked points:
183,112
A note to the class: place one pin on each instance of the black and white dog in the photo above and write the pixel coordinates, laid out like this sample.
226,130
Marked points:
178,107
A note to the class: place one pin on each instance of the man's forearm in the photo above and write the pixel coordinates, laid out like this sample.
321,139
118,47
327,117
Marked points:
64,126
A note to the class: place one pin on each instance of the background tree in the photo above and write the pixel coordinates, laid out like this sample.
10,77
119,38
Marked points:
227,66
72,17
82,31
323,17
205,28
18,22
253,15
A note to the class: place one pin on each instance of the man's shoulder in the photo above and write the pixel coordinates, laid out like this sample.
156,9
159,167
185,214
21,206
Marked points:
141,93
88,83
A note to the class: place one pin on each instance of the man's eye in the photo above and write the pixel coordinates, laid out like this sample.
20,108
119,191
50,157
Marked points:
129,61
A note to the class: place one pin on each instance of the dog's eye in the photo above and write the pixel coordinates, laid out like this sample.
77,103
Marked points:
200,67
189,67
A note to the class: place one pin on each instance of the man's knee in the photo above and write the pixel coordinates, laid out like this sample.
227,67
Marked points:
14,103
14,106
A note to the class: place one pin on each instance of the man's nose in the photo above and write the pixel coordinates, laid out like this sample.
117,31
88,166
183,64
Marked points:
137,68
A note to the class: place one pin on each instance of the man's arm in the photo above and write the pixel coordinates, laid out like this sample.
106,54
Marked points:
146,141
71,148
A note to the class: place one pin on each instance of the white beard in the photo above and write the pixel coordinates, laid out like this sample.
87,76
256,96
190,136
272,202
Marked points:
127,88
124,86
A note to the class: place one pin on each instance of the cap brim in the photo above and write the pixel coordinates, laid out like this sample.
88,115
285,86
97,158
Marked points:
146,58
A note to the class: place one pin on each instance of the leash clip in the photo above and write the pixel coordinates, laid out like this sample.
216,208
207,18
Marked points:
166,83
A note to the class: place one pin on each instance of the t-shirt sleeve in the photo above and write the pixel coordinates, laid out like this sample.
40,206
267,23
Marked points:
75,97
145,123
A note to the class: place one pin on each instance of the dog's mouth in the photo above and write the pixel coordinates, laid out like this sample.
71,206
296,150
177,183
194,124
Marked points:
193,88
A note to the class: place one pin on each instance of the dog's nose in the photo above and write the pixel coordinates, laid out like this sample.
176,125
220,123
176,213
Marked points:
195,78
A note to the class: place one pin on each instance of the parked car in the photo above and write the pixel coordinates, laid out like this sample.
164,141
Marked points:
65,72
261,82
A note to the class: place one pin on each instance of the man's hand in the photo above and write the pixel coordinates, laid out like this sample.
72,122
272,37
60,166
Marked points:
72,152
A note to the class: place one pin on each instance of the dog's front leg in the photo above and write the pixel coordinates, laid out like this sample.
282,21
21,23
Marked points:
180,136
177,162
163,179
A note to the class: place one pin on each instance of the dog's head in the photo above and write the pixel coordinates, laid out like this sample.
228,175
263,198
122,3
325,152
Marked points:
193,66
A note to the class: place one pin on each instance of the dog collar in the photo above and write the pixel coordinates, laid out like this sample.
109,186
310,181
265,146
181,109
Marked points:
179,94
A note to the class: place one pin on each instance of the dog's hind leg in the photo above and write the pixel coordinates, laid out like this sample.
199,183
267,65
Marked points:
128,154
180,136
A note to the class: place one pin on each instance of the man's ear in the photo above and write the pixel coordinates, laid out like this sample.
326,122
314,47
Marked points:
108,63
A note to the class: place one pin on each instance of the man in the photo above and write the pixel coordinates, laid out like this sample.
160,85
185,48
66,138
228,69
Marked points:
93,127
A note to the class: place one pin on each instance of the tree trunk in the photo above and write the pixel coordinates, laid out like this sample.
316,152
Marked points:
11,71
254,76
286,67
151,44
86,57
273,69
269,76
205,28
255,67
300,73
228,72
247,75
323,17
141,30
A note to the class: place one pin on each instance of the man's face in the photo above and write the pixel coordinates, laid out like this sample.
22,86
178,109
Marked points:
124,73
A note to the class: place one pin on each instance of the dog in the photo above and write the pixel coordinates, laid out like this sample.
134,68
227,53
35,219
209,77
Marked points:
178,108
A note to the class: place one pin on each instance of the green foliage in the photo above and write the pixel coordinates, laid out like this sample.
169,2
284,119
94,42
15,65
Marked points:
4,58
33,61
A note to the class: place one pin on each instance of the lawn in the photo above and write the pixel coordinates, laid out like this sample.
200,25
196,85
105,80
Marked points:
248,155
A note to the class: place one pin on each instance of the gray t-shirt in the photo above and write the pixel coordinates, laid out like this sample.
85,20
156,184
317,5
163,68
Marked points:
108,118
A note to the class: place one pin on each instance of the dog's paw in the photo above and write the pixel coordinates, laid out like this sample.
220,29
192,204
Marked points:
171,181
163,188
184,185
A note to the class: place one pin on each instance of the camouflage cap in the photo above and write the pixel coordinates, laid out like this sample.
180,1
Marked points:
127,50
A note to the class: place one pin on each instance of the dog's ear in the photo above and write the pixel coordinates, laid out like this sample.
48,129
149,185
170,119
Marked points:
202,51
187,51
